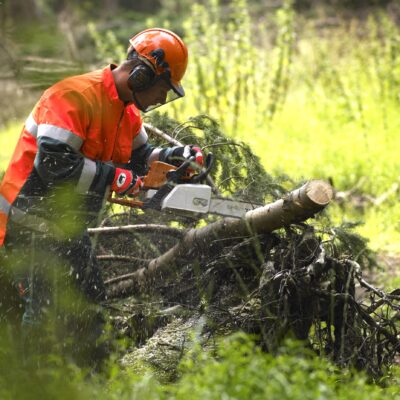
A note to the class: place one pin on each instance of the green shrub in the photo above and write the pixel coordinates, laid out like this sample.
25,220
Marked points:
238,370
241,370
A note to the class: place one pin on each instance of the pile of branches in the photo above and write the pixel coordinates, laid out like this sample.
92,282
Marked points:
275,285
302,280
297,286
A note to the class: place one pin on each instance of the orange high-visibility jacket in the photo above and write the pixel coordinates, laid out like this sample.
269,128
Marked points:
76,133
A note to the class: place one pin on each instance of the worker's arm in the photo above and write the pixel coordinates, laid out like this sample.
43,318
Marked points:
58,160
144,154
58,163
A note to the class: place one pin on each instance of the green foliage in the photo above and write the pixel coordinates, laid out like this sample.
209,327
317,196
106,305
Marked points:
238,370
40,40
241,371
228,71
236,171
108,48
284,48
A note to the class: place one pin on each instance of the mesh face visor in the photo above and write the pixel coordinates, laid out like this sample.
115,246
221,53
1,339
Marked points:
167,91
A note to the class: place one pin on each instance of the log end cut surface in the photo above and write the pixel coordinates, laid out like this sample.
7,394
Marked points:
319,192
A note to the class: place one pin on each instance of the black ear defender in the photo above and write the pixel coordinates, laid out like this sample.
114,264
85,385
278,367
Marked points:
143,76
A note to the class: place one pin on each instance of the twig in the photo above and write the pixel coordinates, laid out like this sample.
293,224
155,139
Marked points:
116,257
365,284
120,278
110,217
363,313
158,132
384,196
370,321
223,144
380,303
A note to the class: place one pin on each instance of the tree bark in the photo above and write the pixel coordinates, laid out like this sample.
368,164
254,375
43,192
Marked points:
297,206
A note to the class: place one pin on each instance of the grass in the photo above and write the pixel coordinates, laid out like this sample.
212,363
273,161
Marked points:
305,145
8,139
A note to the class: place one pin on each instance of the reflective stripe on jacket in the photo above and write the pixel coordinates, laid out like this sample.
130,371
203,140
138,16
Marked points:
75,134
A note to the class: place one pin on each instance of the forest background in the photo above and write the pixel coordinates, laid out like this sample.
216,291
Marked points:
312,86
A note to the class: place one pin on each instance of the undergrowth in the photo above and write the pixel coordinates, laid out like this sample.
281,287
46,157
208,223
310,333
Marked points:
238,370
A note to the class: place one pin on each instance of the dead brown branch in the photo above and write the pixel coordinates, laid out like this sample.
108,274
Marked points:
361,200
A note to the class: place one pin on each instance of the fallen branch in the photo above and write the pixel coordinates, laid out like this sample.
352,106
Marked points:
112,257
118,278
364,313
361,200
138,228
384,196
272,285
297,206
158,132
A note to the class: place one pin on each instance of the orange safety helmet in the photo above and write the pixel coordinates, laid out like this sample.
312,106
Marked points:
167,55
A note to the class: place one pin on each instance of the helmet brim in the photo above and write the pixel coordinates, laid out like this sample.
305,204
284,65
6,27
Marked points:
177,88
175,92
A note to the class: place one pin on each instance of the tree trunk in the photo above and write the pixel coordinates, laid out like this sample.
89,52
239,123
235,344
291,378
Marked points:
24,10
297,206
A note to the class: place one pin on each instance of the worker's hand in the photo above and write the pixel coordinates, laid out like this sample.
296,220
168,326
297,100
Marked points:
126,183
179,154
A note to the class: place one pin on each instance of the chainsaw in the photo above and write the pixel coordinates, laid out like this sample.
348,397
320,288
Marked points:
182,189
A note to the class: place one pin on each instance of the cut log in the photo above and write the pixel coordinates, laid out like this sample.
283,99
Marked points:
297,206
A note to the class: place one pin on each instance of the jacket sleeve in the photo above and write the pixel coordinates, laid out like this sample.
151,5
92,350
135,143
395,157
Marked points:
140,153
63,122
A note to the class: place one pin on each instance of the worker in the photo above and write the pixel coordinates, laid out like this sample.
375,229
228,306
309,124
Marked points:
84,137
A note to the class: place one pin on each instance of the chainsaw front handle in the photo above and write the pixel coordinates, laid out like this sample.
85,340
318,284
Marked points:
204,173
178,175
175,176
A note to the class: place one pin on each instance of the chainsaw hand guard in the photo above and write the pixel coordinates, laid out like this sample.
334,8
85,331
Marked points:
180,174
